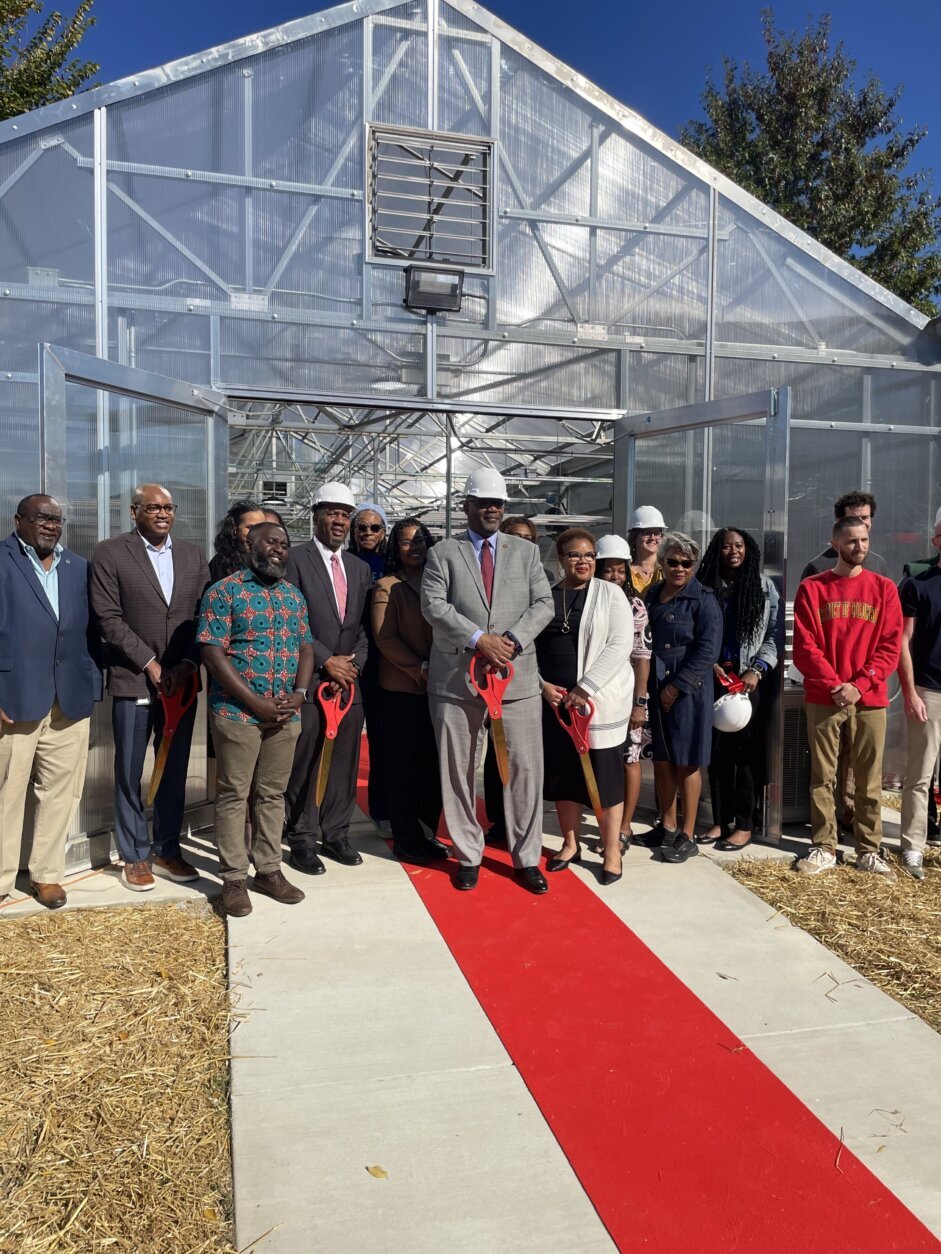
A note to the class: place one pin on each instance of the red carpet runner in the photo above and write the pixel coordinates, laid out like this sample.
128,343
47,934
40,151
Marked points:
682,1139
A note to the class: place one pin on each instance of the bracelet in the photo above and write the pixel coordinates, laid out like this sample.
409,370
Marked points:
301,692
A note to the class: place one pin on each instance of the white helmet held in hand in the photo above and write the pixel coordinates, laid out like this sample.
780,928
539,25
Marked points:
646,516
486,485
613,546
731,712
334,494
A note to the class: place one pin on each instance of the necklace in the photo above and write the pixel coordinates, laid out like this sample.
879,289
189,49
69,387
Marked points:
567,611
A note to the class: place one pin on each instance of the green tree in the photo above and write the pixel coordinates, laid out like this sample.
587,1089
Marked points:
830,156
36,62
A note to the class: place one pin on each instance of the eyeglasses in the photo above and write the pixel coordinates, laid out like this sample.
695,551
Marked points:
574,557
373,527
685,562
156,509
657,531
487,502
55,520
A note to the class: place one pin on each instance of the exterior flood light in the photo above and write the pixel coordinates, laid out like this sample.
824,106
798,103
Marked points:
433,290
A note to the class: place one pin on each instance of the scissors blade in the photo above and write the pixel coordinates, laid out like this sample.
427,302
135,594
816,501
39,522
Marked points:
160,763
592,784
499,747
323,771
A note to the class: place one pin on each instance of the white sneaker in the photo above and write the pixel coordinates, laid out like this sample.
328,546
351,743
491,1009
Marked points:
874,865
817,860
913,864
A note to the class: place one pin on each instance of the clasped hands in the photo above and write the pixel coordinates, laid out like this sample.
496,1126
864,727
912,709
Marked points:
567,698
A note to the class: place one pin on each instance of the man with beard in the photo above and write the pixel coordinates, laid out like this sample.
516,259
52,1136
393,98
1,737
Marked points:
847,638
49,683
258,650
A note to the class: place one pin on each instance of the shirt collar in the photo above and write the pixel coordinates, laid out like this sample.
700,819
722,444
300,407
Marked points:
31,553
327,552
478,541
164,548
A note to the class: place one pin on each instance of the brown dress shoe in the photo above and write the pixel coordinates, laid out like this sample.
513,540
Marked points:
52,896
175,869
276,886
137,877
235,899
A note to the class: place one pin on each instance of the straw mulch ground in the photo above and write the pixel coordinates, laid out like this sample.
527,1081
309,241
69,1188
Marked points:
890,932
114,1082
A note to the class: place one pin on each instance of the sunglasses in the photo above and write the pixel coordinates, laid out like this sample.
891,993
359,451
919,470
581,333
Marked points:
685,562
373,527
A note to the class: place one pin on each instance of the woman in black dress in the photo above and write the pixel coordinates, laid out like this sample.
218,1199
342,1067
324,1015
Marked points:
368,543
584,655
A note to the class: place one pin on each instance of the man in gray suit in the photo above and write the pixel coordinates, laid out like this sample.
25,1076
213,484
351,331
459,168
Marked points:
487,592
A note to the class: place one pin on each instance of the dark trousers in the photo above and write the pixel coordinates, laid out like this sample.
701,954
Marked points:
414,778
133,726
374,705
736,771
304,820
493,792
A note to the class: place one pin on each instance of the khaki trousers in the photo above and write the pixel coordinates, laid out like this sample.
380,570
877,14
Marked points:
53,754
924,741
246,751
865,728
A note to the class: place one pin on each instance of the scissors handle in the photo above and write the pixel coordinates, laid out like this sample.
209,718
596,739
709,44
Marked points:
576,722
731,681
335,709
491,685
176,705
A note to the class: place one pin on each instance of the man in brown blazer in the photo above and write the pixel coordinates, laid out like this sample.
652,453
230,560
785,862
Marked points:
334,584
145,592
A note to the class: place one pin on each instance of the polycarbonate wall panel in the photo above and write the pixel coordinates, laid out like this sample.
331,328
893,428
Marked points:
174,345
20,466
400,38
464,77
660,381
25,324
525,374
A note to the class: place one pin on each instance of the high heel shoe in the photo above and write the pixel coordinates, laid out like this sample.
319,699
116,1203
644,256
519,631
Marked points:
560,864
610,877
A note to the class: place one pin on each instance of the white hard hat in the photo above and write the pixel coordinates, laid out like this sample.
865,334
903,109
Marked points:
613,546
334,494
486,484
646,516
731,712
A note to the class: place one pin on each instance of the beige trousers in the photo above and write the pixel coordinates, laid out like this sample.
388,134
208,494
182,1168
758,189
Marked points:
52,754
865,727
924,741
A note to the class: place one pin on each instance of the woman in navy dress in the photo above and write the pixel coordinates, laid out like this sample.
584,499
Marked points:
686,638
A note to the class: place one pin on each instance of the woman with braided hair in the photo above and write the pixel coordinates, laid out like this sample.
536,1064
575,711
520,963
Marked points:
731,567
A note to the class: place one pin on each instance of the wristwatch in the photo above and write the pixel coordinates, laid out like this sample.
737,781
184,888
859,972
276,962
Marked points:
643,702
508,635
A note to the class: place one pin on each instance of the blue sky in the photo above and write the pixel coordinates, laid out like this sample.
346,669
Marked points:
652,57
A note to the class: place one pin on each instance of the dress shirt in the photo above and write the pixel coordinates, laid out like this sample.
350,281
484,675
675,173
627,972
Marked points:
48,579
478,542
162,561
327,555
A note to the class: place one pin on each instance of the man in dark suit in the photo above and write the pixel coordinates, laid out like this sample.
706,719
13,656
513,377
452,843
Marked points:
334,584
49,683
145,593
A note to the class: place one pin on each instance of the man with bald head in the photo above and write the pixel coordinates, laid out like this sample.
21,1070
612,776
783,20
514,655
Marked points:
145,593
49,683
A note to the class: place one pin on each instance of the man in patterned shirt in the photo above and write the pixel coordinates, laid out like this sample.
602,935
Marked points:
258,650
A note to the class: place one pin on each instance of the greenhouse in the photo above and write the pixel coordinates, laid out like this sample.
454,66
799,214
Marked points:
390,242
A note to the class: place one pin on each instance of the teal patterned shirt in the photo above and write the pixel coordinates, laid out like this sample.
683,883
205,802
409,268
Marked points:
261,628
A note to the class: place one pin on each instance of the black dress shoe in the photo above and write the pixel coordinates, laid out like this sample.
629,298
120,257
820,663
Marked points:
434,848
610,877
558,863
728,847
307,861
465,878
408,853
532,879
341,851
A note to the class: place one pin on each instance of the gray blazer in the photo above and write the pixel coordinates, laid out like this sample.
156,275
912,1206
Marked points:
454,603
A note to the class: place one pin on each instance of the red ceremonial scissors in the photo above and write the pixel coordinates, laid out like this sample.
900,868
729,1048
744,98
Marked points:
576,722
174,707
335,709
491,685
731,682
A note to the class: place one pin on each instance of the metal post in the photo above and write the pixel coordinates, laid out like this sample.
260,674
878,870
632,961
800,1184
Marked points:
431,357
593,177
102,416
709,391
432,65
865,457
448,428
248,163
774,561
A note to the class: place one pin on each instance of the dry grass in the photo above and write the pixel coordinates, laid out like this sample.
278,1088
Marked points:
114,1130
890,932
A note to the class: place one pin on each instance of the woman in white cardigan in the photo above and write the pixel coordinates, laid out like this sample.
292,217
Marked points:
584,654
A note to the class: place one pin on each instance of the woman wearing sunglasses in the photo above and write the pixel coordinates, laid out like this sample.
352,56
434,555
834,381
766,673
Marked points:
368,543
686,637
584,655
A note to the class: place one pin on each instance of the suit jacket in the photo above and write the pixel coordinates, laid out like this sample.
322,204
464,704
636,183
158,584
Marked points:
455,604
134,619
44,659
306,570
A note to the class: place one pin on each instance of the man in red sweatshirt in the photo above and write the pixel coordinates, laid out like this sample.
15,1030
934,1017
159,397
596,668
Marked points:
847,638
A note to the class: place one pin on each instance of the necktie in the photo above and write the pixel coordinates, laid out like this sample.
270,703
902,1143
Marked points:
339,583
486,569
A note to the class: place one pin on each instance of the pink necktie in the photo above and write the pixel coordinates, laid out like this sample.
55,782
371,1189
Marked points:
339,583
486,569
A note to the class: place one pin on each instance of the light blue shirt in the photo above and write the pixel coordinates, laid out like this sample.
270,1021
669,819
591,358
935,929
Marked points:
162,561
478,542
49,579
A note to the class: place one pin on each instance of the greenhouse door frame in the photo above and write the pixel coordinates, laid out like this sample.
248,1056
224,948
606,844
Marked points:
772,408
